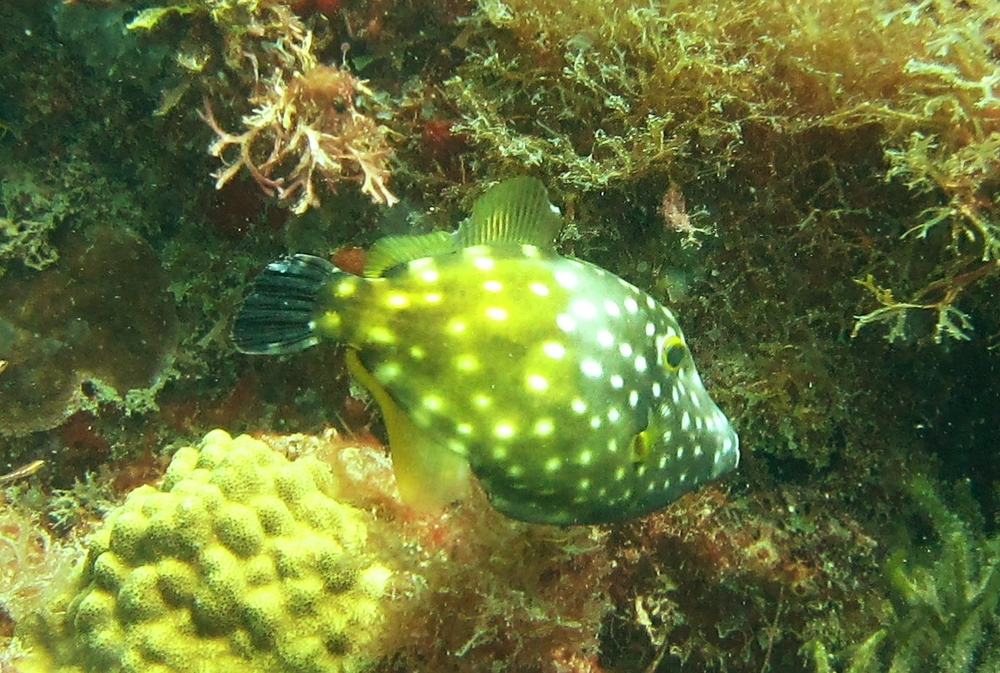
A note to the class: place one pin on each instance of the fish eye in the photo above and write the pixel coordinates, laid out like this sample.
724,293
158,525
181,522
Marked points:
674,351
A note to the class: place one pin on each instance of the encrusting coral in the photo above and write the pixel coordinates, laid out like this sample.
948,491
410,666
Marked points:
240,561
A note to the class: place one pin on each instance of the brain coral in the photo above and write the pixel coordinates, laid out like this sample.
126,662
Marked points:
241,561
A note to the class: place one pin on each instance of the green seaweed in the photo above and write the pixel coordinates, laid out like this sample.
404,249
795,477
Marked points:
944,598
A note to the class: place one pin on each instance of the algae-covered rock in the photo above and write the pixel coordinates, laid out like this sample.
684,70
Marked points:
241,561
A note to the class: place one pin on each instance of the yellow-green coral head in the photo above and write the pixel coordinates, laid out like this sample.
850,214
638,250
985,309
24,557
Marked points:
571,393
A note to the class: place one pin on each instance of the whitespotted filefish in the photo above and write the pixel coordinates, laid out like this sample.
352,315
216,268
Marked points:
570,393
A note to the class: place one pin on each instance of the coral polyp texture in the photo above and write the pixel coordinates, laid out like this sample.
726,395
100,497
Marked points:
241,561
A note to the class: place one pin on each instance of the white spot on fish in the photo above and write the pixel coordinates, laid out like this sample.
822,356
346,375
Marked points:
544,427
382,335
504,430
586,457
656,389
566,278
650,302
595,422
552,465
540,289
565,322
680,453
456,326
515,470
584,310
492,286
397,300
605,338
619,474
467,363
685,421
650,329
433,402
579,406
616,381
417,353
663,462
591,368
432,297
697,451
630,305
483,263
500,452
614,415
496,313
612,445
633,398
537,382
463,429
611,308
583,484
387,371
429,275
640,363
346,288
554,349
625,350
481,401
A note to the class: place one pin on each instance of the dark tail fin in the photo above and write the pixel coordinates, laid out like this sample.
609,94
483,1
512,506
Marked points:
279,314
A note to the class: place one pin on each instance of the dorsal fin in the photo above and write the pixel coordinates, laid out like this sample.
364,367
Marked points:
394,250
514,211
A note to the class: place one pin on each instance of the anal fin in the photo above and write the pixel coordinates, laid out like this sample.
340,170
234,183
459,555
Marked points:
429,475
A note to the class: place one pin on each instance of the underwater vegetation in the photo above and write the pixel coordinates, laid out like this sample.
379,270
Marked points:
810,187
944,598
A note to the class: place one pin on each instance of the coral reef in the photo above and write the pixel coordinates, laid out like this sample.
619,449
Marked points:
241,560
474,590
797,181
97,328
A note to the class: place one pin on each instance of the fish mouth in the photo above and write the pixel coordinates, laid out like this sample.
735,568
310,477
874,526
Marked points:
727,452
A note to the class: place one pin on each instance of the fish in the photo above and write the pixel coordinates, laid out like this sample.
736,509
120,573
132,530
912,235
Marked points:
570,394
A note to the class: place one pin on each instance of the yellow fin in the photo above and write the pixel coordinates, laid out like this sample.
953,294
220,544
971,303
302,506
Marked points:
429,476
515,211
395,250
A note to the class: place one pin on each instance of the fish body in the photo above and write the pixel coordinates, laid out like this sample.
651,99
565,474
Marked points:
570,393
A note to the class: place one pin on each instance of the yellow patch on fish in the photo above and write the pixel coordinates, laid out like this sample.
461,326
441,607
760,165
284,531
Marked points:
570,393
